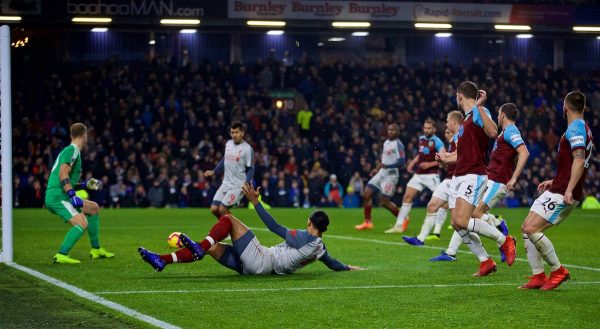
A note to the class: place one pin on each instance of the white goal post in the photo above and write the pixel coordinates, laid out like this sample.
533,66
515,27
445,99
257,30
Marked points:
6,253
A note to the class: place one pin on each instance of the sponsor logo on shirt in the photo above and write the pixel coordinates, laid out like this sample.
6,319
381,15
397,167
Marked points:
515,138
576,140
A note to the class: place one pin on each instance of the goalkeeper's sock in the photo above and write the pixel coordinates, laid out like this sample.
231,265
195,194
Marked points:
367,212
180,256
94,230
217,233
71,238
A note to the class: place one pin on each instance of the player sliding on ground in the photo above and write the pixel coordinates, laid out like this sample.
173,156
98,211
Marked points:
247,255
562,195
62,201
470,177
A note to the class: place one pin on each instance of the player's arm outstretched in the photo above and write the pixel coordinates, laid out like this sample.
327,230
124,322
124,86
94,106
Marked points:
218,169
252,196
489,126
336,265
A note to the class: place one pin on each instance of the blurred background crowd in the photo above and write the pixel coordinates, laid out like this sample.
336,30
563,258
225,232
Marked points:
156,125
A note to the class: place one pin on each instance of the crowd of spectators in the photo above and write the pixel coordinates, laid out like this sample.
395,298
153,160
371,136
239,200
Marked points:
156,125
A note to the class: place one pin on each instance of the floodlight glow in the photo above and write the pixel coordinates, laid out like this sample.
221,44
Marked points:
433,26
513,27
265,23
91,20
350,24
177,21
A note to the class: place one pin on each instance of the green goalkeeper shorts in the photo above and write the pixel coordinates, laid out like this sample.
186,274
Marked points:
58,203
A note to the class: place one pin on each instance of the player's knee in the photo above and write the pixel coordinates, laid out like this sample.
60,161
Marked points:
80,221
214,210
93,208
432,207
528,229
384,202
223,211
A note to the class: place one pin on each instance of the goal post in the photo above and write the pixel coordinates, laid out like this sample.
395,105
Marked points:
6,254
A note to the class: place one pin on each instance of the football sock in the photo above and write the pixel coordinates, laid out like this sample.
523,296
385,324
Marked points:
71,238
490,219
217,233
393,209
426,227
94,230
439,220
404,210
480,227
367,211
180,256
546,249
474,243
454,244
533,256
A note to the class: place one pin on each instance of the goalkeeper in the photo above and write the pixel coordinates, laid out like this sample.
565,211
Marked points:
61,199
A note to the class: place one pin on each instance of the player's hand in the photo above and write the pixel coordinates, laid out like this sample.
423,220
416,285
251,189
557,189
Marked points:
75,200
544,185
355,268
511,184
410,168
250,193
93,184
482,98
438,157
568,197
373,172
209,173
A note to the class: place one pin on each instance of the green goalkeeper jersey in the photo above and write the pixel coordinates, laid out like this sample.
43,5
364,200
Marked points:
69,155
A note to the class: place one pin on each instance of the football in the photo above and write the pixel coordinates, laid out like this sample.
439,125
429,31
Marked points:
173,240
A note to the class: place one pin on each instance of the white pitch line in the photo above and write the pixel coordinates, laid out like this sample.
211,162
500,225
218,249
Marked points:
94,298
402,286
403,244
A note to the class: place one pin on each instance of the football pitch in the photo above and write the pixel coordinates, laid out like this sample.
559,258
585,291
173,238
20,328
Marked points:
399,288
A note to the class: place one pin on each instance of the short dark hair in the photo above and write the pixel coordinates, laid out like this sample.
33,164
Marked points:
576,101
237,125
430,121
468,89
78,130
320,220
510,110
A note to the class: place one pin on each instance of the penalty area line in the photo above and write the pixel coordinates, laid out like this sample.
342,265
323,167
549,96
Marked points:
401,286
94,298
403,244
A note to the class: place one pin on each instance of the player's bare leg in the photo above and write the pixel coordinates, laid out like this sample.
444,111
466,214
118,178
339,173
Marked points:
402,219
389,205
214,209
538,247
367,207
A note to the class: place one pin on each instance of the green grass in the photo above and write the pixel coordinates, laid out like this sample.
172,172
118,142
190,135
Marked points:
213,296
